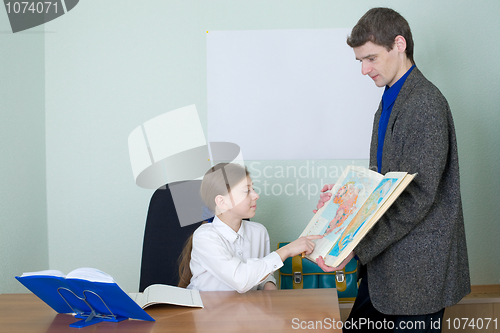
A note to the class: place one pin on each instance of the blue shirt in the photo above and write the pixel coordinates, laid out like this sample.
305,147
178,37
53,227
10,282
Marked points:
388,99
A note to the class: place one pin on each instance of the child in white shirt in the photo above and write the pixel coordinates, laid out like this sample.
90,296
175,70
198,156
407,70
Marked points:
231,253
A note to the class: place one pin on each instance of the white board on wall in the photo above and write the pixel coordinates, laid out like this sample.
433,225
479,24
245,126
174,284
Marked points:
289,94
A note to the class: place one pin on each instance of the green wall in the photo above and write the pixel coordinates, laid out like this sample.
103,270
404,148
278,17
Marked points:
111,65
23,200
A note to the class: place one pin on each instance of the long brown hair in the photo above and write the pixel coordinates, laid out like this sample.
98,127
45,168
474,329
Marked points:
185,274
217,181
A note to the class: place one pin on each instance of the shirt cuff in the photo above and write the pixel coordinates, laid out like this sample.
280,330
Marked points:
273,261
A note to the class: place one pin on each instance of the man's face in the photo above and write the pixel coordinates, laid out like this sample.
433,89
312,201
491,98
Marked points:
384,67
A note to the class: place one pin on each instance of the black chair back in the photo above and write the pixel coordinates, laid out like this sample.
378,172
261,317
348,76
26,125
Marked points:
164,239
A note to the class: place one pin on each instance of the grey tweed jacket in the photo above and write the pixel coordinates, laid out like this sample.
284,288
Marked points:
416,255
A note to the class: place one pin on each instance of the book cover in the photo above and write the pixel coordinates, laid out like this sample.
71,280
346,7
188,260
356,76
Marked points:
85,292
359,198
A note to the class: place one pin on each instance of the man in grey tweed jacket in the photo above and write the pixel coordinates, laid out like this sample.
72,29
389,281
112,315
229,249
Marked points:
415,257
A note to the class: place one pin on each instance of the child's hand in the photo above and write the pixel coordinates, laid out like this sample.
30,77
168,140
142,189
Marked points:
324,197
303,244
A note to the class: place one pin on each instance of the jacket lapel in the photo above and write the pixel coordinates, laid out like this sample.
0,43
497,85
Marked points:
374,143
398,107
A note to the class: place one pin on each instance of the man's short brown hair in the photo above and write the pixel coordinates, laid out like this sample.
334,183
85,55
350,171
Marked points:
381,26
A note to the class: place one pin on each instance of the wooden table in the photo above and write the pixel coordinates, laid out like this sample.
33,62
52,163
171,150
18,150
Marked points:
226,311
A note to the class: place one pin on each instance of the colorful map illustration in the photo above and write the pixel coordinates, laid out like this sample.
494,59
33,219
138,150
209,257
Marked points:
359,198
344,207
366,211
353,189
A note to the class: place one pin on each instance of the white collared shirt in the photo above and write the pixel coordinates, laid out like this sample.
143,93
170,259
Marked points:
223,259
